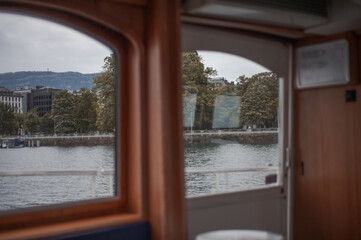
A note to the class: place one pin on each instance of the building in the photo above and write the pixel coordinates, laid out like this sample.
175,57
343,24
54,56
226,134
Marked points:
25,92
42,98
219,81
12,99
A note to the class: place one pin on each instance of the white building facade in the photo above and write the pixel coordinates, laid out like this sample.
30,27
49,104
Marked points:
15,101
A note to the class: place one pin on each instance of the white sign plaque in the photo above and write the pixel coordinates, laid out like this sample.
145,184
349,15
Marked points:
323,64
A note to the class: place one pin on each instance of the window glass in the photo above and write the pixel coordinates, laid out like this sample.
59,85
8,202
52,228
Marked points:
230,116
58,144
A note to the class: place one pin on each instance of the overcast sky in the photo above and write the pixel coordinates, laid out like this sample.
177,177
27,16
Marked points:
30,44
230,66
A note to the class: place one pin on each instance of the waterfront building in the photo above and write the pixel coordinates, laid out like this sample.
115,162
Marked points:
219,81
42,98
25,92
12,99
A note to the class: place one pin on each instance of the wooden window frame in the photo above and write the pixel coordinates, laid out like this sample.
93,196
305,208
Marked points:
117,33
146,35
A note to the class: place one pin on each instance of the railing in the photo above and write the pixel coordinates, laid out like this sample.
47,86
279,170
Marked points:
110,173
93,174
233,170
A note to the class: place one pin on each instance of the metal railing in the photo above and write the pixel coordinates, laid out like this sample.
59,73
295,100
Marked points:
233,170
93,174
110,173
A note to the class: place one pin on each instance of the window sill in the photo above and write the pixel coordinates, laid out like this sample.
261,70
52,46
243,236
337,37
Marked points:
71,227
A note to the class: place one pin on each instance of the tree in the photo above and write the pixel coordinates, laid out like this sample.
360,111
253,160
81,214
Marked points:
255,109
104,89
195,79
63,112
31,121
270,80
266,85
47,124
7,119
19,120
85,110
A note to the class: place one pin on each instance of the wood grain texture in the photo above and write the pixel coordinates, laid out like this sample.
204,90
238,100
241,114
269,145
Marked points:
122,28
327,140
327,195
165,167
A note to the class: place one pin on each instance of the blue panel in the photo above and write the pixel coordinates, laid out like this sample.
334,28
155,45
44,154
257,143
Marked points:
135,231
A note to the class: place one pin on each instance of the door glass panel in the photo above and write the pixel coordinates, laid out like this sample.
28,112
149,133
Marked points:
230,116
57,114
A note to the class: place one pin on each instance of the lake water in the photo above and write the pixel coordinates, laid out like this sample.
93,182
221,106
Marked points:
222,154
27,191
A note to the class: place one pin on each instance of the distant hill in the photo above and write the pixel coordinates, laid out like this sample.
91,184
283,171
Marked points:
64,80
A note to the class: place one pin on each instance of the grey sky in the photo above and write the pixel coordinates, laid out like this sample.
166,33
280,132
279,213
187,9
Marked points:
230,66
31,44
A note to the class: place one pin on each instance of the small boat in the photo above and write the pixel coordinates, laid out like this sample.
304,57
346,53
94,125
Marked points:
15,143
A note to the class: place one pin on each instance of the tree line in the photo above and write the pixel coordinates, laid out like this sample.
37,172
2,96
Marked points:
79,111
248,102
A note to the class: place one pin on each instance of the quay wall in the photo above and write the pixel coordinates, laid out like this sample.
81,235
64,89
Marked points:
267,137
66,141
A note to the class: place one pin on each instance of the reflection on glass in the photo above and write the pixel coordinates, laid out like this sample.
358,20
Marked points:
57,112
230,123
226,112
189,108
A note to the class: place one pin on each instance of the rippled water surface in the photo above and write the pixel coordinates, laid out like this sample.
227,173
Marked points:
222,154
27,191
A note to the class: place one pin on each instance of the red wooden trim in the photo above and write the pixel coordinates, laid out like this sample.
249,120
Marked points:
165,166
112,28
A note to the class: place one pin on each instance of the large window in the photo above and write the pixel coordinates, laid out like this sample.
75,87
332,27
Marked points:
230,116
58,143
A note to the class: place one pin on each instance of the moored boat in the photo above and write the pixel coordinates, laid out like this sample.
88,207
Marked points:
15,143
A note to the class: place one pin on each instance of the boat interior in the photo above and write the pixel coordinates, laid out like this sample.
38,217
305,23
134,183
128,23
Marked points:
318,191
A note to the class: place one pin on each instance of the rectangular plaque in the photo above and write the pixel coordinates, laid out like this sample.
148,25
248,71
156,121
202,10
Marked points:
323,64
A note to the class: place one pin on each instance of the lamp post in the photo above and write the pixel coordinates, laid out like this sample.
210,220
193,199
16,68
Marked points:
54,127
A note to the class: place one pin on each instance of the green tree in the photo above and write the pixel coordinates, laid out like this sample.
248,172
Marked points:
85,110
195,79
19,120
31,121
63,112
266,85
104,89
47,124
7,119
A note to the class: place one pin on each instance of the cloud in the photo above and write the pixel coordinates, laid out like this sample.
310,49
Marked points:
32,44
230,66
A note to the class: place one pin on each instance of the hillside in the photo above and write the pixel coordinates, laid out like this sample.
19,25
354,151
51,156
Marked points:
65,80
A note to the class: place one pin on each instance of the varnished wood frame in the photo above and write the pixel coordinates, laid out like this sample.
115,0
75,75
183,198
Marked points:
165,160
358,33
126,41
351,39
152,142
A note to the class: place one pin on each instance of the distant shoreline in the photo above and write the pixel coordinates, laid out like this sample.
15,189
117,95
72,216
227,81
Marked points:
262,137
